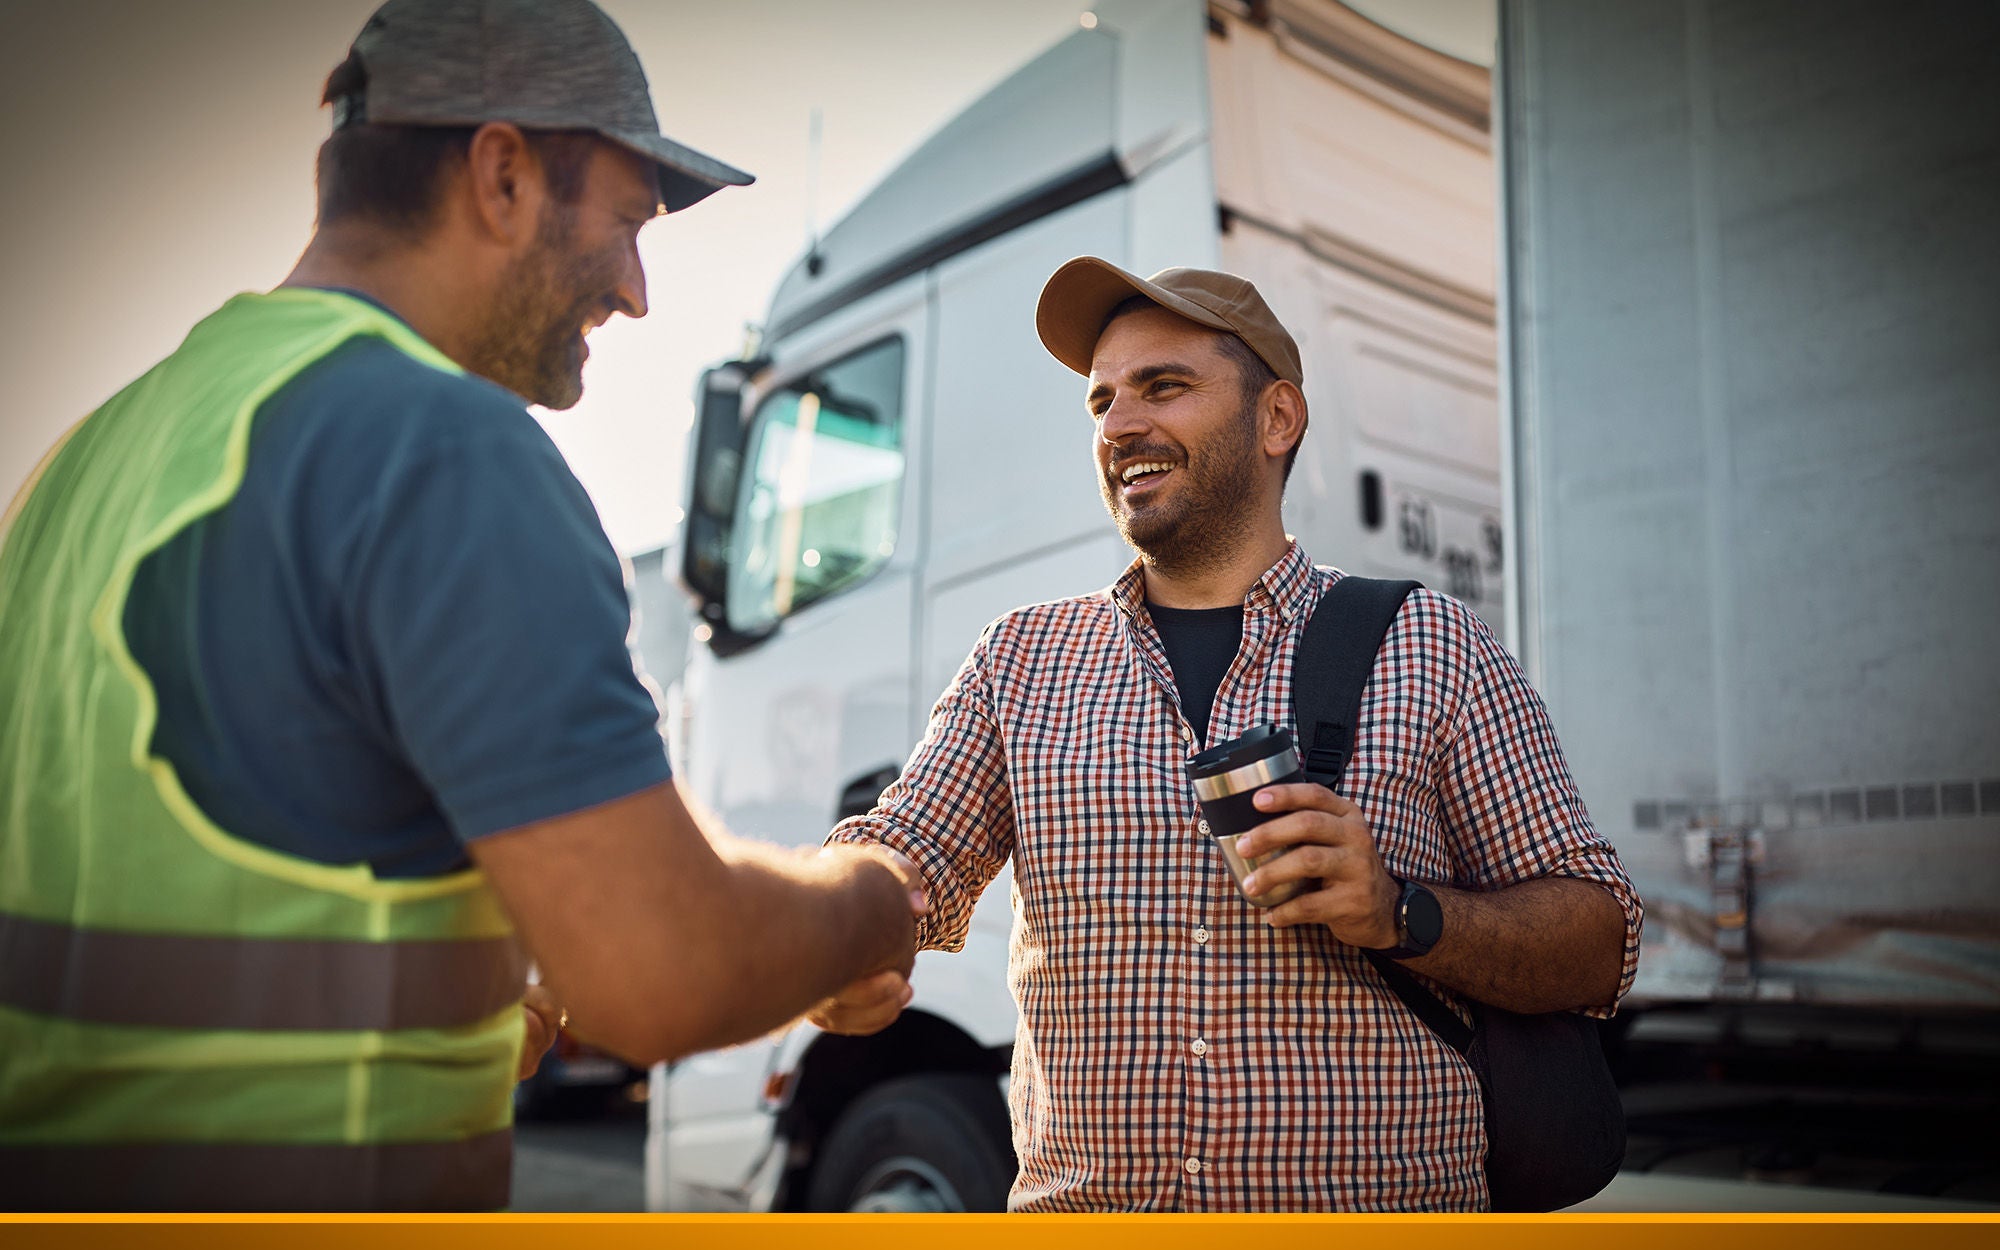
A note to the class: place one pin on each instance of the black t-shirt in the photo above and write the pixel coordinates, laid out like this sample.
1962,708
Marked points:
1200,644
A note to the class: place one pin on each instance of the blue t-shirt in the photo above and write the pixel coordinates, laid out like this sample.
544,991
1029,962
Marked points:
406,629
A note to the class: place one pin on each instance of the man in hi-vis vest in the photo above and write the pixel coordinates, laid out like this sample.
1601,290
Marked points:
316,715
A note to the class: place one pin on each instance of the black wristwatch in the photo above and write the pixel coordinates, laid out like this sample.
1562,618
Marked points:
1419,921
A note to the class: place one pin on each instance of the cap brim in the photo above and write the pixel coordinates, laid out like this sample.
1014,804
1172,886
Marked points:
1079,297
686,176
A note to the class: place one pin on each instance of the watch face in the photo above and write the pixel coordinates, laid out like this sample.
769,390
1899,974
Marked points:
1423,919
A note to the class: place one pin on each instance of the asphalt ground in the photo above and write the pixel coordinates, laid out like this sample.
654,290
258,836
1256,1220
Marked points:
586,1158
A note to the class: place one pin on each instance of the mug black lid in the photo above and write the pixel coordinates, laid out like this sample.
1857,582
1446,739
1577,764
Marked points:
1256,743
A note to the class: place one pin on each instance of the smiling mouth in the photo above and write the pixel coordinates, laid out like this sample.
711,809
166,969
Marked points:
1143,474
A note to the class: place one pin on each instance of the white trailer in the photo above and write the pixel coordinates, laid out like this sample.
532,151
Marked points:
902,462
1755,394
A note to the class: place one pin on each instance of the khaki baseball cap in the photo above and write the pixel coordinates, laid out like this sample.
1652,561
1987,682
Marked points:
540,64
1079,297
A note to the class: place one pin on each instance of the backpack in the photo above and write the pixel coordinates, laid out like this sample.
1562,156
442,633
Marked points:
1555,1128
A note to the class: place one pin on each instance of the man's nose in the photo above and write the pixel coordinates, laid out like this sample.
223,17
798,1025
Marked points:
1120,421
630,293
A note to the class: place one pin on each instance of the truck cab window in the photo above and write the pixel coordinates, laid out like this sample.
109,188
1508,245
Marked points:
819,505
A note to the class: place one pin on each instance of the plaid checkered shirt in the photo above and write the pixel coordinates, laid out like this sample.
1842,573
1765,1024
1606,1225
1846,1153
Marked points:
1174,1053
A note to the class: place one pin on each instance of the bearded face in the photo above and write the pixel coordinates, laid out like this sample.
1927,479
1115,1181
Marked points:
1180,465
549,297
1181,505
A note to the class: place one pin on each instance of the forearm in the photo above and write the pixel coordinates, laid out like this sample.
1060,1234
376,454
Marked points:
787,931
776,932
1550,944
662,939
842,917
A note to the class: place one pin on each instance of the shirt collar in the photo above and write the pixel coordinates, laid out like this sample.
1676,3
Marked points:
1129,591
1286,587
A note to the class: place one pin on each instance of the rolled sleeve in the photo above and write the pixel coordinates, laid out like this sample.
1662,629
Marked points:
951,811
1511,801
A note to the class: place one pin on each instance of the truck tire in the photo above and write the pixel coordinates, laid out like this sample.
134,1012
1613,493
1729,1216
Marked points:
937,1142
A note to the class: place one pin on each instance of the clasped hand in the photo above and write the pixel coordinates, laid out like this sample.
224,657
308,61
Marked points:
1333,852
541,1019
873,1002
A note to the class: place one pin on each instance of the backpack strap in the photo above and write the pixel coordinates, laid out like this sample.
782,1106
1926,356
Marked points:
1330,668
1423,1004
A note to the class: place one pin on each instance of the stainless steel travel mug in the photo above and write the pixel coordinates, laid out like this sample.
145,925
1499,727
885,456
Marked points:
1225,777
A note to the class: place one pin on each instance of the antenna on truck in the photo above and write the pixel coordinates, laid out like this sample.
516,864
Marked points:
814,262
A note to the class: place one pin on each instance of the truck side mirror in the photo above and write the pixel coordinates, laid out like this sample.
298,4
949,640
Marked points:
715,471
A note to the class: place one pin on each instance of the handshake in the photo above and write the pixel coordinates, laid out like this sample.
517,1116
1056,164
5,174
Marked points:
872,1002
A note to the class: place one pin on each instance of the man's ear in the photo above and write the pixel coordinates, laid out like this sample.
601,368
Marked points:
1283,413
505,183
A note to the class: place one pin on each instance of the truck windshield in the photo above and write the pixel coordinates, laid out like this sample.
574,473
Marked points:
820,503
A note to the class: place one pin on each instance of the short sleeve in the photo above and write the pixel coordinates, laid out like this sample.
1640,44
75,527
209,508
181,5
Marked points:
488,621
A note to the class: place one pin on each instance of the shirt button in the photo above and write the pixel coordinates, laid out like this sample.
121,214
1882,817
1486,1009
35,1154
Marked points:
1200,936
1201,825
1193,1166
1199,1048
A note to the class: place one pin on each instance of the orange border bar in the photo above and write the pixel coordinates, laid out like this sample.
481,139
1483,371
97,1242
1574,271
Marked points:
967,1232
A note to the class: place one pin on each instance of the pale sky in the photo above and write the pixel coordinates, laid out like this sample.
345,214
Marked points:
158,159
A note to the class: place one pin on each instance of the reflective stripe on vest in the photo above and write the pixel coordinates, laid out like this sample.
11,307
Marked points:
471,1174
170,980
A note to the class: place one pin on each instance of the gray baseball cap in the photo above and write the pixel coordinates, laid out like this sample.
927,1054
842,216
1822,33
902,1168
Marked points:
540,64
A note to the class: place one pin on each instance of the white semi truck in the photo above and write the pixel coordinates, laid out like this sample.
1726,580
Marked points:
903,462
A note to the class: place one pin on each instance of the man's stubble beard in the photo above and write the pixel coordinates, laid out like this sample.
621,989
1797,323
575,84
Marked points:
530,342
1201,528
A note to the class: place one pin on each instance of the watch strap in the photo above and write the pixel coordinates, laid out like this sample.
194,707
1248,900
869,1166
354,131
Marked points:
1403,949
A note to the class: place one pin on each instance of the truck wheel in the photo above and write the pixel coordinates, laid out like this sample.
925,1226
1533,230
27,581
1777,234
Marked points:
937,1142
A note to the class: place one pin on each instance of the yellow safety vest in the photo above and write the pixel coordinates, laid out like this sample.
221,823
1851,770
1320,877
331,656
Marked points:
189,1020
